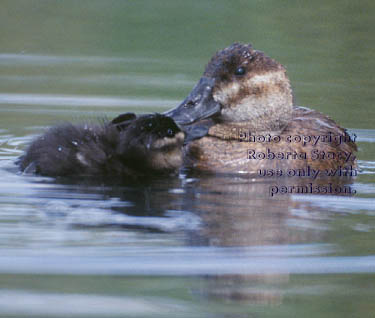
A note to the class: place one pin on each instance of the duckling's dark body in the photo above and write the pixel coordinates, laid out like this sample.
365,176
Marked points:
128,146
251,96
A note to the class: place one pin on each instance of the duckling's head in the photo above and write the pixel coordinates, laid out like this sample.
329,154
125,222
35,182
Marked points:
249,87
152,141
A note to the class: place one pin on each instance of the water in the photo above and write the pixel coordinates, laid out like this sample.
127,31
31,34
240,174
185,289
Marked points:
188,246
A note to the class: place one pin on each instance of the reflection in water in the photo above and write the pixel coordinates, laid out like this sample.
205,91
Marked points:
237,211
215,211
228,210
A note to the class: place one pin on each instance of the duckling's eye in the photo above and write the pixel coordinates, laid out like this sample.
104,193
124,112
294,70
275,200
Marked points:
240,71
170,132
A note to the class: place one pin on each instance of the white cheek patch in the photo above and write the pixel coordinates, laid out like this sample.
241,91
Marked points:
260,99
166,141
229,92
245,110
226,93
169,160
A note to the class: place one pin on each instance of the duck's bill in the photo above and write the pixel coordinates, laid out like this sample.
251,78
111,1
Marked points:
198,129
198,105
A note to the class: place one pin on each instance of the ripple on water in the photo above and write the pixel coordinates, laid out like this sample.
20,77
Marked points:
366,167
339,204
364,135
180,261
78,100
47,60
91,305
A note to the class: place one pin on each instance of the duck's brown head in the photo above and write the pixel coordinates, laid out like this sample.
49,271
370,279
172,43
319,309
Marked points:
243,86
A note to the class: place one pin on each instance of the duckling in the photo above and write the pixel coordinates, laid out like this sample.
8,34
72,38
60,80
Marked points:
254,122
128,146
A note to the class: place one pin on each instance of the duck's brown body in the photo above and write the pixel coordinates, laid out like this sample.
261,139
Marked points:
253,97
310,139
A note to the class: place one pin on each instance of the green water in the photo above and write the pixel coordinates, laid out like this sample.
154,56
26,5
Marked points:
204,247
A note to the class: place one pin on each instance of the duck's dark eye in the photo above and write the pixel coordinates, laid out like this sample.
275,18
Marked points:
170,132
240,71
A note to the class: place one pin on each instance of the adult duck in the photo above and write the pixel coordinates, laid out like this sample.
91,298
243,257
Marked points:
241,117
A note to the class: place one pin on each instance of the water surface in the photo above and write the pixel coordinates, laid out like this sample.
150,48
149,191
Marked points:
190,245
